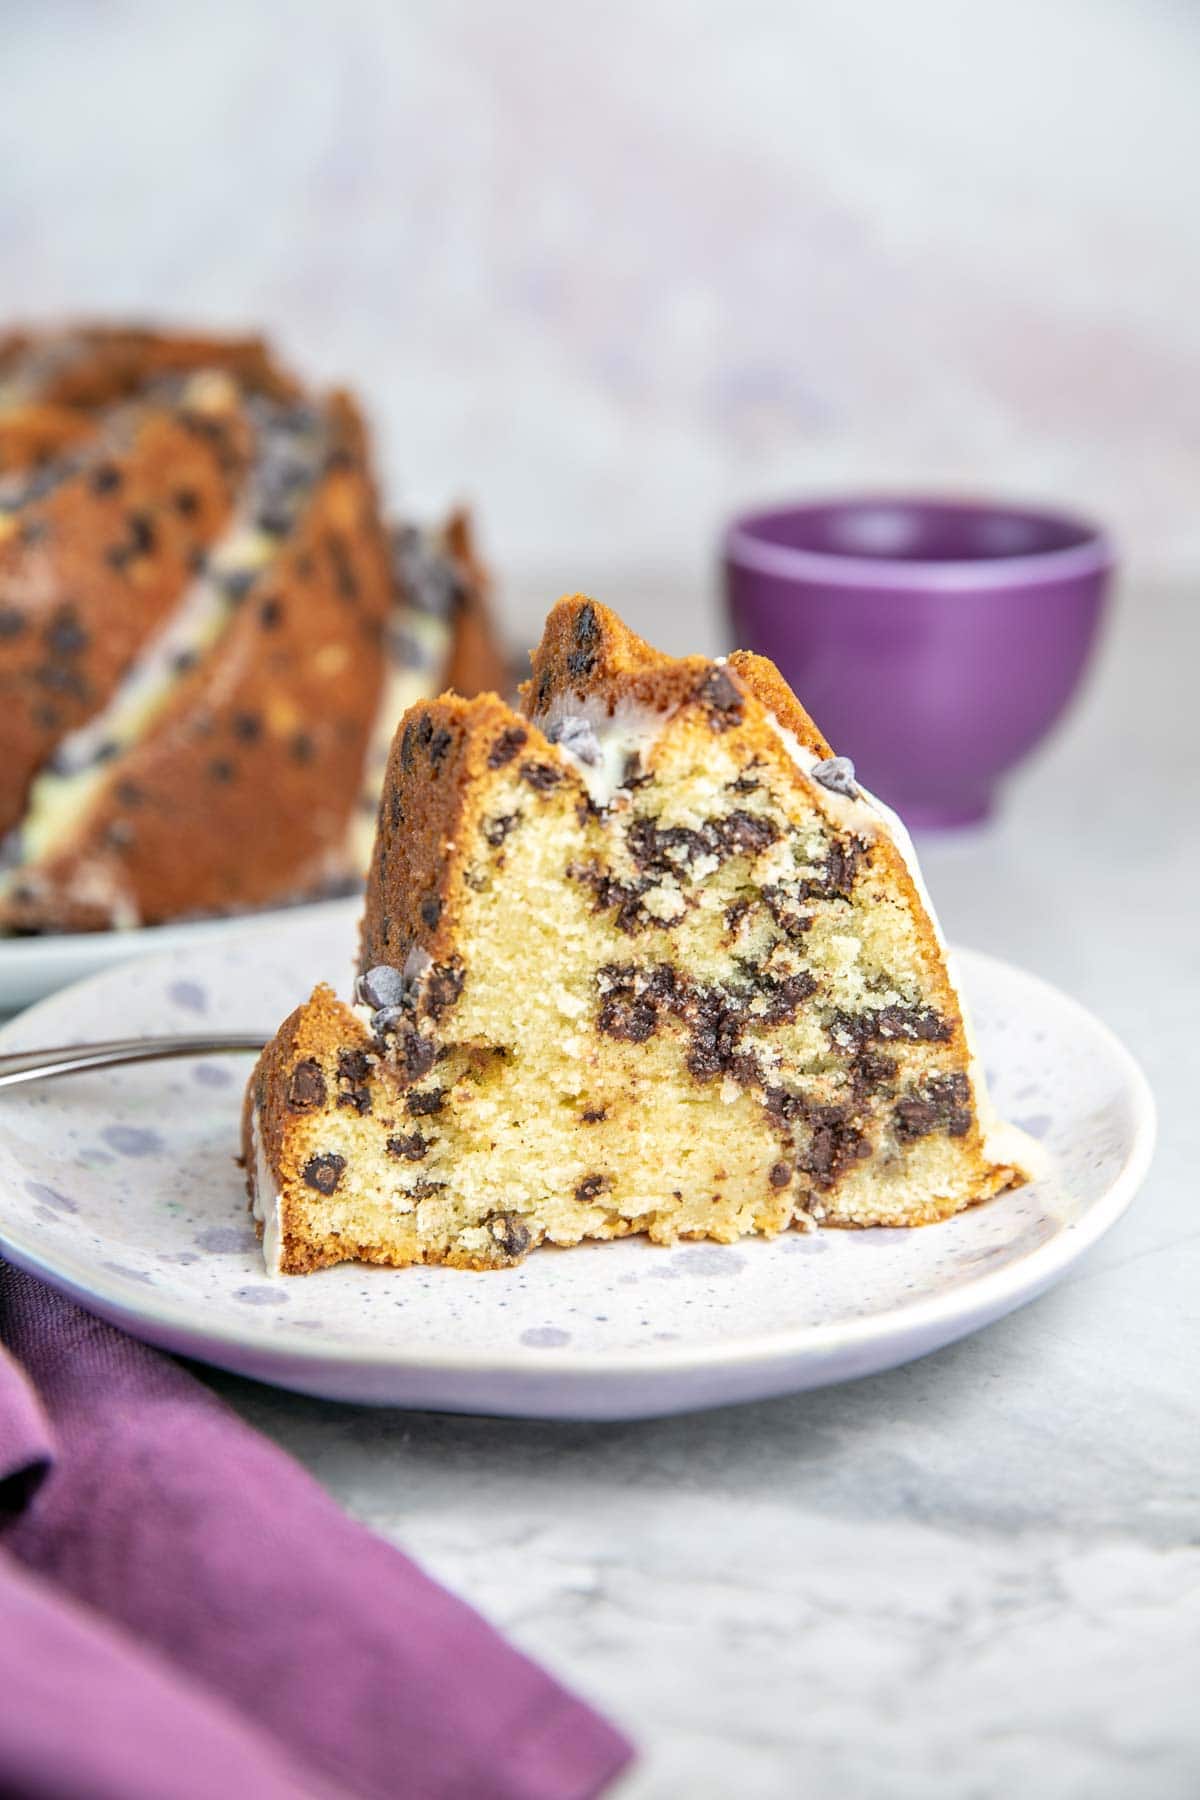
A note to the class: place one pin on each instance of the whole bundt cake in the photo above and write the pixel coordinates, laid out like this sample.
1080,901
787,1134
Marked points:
207,631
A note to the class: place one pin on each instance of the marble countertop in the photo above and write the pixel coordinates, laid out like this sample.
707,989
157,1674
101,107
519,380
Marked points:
977,1575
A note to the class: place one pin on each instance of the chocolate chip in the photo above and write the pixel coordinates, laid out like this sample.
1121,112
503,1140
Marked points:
835,1142
441,988
785,997
353,1065
942,1103
381,986
837,774
783,908
421,1105
417,1054
841,867
356,1099
143,534
425,729
582,659
509,1233
270,614
302,748
387,1018
65,635
590,1187
105,478
324,1172
497,829
186,502
717,1018
745,834
631,1018
431,910
411,1147
592,1115
577,738
781,1174
12,622
506,746
735,913
631,998
306,1089
540,776
221,768
587,629
247,726
439,743
723,698
915,1023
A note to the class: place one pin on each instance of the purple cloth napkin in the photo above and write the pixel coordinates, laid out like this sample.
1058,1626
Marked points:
184,1611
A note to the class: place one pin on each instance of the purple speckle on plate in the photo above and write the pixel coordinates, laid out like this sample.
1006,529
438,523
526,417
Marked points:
709,1259
188,994
260,1296
50,1196
807,1243
1037,1125
545,1337
223,1238
131,1140
212,1075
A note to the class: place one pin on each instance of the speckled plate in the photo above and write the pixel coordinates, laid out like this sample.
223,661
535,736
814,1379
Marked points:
120,1188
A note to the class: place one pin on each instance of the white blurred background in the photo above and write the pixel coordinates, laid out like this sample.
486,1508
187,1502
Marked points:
611,270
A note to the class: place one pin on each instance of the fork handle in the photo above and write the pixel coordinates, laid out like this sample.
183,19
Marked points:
69,1059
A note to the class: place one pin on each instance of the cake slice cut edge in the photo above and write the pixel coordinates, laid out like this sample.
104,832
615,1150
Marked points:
640,958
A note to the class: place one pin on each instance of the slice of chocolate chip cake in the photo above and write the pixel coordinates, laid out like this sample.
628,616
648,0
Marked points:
642,957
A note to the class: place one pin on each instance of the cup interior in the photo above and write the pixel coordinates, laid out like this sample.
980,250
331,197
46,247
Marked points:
917,531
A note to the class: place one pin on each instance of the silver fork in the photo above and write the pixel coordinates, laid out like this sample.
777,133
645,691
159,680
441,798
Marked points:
69,1059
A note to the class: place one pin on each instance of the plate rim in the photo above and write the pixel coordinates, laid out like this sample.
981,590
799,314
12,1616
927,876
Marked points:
985,1297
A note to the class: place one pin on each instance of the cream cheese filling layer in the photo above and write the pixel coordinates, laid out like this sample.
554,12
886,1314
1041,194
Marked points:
597,743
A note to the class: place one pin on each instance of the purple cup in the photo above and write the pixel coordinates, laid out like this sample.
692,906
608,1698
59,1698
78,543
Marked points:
935,642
